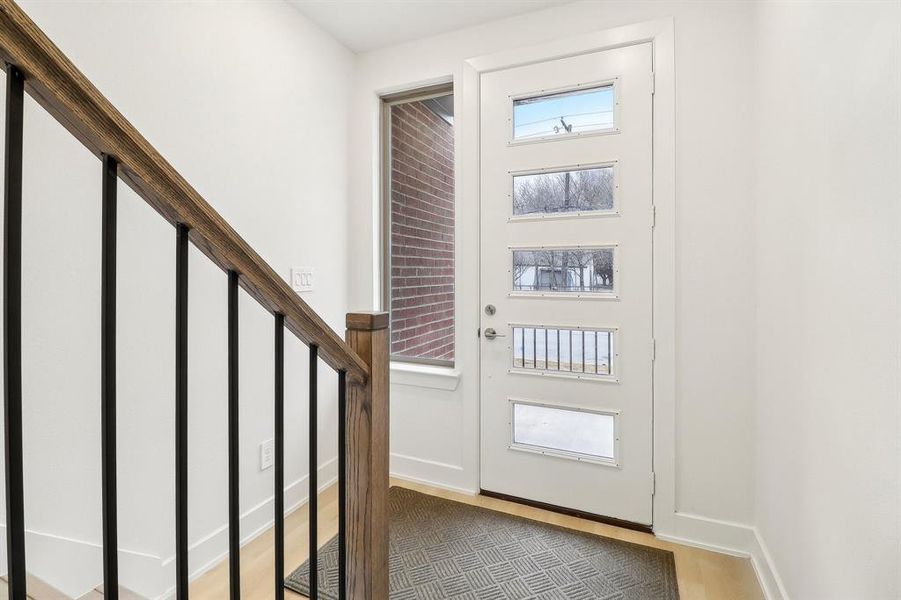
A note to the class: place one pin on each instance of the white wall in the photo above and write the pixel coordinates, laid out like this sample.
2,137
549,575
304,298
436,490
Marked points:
828,102
787,258
435,432
249,102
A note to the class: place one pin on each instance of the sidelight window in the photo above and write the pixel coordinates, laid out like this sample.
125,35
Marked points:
418,206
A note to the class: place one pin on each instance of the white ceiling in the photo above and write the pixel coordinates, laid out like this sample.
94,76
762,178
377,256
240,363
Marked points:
363,25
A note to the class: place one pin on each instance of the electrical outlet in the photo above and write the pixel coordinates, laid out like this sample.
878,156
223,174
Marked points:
302,279
267,454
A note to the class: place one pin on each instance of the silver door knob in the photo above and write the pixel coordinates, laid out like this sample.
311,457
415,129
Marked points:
490,334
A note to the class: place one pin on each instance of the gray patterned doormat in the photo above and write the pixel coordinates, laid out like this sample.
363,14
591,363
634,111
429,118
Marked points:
445,549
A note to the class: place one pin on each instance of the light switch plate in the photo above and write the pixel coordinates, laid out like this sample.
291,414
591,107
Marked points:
302,279
267,454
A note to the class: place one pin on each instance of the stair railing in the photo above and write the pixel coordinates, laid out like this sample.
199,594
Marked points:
34,64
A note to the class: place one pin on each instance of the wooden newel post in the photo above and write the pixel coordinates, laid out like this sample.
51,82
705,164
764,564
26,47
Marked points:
366,429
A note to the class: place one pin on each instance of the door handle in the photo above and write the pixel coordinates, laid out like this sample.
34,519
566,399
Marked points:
490,334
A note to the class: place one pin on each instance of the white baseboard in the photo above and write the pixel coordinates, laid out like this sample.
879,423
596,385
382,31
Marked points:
435,484
213,548
429,472
716,535
765,568
734,539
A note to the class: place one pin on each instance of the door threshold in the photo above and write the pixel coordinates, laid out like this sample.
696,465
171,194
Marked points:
571,512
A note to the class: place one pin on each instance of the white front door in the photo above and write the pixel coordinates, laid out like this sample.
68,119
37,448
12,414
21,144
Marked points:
566,271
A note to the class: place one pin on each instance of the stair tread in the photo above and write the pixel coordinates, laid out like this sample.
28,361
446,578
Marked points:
37,589
124,594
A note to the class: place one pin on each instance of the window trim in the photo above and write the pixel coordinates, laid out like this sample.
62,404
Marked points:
387,101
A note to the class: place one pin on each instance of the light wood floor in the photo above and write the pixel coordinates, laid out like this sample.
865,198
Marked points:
702,575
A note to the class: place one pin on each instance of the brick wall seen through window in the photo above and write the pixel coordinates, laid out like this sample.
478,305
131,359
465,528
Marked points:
422,229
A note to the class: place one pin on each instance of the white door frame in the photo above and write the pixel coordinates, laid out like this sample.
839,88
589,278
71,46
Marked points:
660,33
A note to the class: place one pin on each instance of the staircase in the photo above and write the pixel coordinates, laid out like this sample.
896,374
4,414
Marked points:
97,594
39,590
36,66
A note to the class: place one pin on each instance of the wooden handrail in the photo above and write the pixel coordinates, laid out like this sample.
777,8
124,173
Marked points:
55,83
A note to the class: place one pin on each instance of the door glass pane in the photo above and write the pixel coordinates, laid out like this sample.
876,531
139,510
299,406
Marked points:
565,430
556,350
564,113
567,270
578,190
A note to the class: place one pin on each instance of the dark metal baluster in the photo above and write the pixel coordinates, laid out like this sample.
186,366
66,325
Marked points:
12,335
534,348
108,380
522,343
545,350
279,457
234,507
314,484
181,412
583,351
342,485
